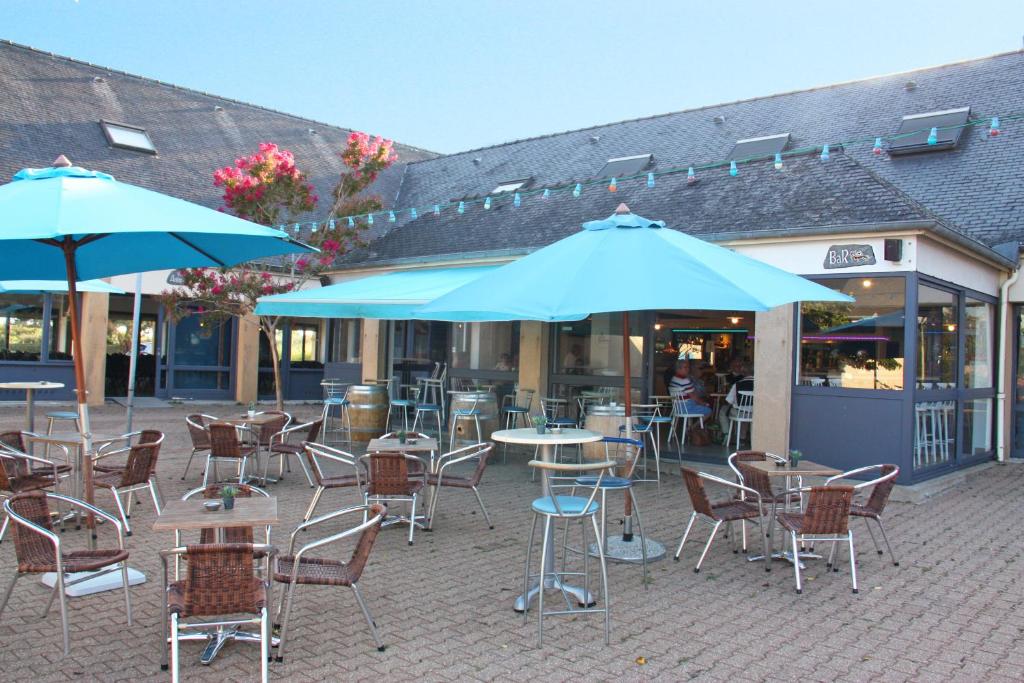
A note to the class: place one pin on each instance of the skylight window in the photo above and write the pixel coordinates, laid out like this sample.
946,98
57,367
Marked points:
621,167
765,146
127,137
920,125
511,186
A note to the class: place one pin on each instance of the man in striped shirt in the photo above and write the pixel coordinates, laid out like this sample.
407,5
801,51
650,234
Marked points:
682,385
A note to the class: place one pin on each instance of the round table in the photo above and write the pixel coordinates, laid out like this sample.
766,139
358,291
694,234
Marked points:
547,442
30,387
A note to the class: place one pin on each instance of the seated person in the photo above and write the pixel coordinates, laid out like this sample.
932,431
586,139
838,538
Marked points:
735,373
732,399
682,385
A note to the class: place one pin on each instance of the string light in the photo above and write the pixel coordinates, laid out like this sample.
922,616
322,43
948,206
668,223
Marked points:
733,171
778,161
351,222
691,177
437,209
412,213
369,219
877,149
330,225
993,129
391,217
613,186
462,207
547,193
650,180
517,200
933,136
576,191
824,152
487,203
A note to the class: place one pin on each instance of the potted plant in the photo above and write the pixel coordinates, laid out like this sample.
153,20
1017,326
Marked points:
227,494
402,435
252,409
540,422
794,458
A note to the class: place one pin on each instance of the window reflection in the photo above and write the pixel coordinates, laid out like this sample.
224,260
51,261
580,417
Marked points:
978,344
485,346
937,338
21,327
594,346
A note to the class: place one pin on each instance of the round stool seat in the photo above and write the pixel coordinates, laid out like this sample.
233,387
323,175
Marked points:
606,483
467,412
63,415
428,406
404,402
570,505
336,401
517,409
562,421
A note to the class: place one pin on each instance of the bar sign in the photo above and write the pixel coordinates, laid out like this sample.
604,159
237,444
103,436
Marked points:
849,256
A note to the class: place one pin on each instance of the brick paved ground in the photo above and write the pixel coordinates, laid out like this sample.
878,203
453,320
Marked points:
950,611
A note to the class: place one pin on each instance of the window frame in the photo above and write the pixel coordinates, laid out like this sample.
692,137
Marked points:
626,172
106,125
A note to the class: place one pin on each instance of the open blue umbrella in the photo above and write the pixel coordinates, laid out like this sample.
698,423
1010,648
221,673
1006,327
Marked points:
67,222
55,286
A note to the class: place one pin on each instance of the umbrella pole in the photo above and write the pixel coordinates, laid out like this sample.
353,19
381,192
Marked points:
133,362
85,464
627,371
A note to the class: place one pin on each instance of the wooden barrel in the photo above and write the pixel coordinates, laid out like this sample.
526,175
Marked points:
367,410
603,420
465,429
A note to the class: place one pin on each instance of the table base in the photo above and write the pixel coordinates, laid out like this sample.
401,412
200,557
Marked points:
220,637
107,582
619,550
583,598
786,555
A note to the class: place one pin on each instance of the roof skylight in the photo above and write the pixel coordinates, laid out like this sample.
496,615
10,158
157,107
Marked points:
127,137
620,167
511,185
765,146
947,125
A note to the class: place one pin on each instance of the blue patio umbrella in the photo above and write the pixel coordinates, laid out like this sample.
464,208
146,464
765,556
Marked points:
66,222
55,286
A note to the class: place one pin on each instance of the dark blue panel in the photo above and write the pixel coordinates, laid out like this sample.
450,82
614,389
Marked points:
39,372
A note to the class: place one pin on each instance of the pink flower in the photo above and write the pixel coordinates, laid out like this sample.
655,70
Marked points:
265,275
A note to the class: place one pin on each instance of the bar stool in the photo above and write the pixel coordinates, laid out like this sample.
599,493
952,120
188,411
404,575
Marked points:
470,413
402,404
424,409
555,411
336,399
522,401
51,418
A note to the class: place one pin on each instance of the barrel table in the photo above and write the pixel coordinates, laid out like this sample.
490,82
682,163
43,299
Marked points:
465,429
604,420
367,411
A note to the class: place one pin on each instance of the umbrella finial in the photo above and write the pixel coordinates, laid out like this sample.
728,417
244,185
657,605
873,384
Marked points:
622,210
61,162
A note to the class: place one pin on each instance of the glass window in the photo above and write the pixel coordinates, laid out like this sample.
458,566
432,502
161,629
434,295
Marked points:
305,343
265,360
857,345
345,340
60,328
934,433
978,426
199,341
978,344
485,346
21,327
119,335
937,338
594,346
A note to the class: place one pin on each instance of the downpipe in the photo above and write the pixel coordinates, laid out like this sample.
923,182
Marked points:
1004,306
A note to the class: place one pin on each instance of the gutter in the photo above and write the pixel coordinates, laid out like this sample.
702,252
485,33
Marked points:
1004,306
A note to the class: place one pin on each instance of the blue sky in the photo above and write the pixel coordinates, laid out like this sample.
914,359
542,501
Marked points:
450,76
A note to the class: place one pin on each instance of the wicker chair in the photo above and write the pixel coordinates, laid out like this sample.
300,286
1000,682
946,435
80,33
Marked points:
389,478
727,511
14,440
315,453
220,582
439,478
761,483
199,434
138,472
226,447
295,568
827,518
280,446
38,551
881,487
21,472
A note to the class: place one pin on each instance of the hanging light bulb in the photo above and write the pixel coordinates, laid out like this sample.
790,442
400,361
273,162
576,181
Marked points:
576,191
391,217
487,203
330,225
369,219
877,149
413,214
993,129
437,209
613,186
778,161
462,207
691,177
733,171
547,193
312,227
351,222
933,136
297,227
824,153
517,200
650,180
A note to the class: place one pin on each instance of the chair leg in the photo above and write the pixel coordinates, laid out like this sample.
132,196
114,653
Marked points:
174,648
412,518
120,510
686,534
305,471
7,521
604,585
487,517
707,546
206,472
543,578
885,538
188,464
526,572
286,600
853,561
640,530
312,504
369,618
7,593
127,594
796,563
155,495
264,646
59,586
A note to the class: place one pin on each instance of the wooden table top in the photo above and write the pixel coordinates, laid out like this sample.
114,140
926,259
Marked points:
806,468
73,438
258,419
190,514
393,446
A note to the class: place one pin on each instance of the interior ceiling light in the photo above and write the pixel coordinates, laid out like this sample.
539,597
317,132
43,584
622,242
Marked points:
866,284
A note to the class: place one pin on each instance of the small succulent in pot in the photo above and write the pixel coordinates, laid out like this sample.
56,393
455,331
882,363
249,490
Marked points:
794,457
402,435
540,422
252,409
227,494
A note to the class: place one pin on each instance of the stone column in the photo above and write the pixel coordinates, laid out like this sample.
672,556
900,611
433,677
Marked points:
533,359
773,379
95,309
373,353
247,359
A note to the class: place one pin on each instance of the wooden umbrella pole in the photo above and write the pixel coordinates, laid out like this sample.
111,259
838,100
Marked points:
627,526
68,246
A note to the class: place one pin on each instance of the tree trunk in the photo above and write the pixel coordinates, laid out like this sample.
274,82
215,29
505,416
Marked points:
270,329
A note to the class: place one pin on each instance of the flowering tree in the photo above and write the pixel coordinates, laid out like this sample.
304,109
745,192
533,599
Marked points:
268,188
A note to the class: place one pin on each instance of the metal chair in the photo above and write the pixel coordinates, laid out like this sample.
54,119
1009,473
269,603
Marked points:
826,518
389,479
761,483
423,409
139,472
647,424
741,413
14,440
220,581
39,551
336,404
280,446
21,472
554,507
724,512
439,477
60,415
681,414
226,447
314,454
397,402
465,414
199,434
872,509
516,406
296,568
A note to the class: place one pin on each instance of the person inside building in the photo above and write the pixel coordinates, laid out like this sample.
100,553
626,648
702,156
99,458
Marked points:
683,385
573,361
744,383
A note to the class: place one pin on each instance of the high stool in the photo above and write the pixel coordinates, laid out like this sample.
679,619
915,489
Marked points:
424,409
335,415
553,507
51,418
401,404
522,401
555,411
470,413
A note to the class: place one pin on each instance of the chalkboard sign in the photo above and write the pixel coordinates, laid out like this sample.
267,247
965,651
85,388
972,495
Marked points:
849,255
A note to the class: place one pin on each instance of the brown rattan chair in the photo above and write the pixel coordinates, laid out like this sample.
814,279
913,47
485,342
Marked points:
226,447
138,472
761,483
283,449
38,551
872,509
15,440
390,478
295,568
199,434
826,518
727,511
440,478
315,454
21,472
220,582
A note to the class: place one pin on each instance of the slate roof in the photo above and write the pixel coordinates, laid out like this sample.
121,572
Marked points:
51,105
974,189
